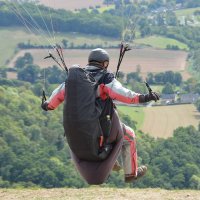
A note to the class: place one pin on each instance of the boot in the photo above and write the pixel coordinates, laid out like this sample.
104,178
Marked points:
140,172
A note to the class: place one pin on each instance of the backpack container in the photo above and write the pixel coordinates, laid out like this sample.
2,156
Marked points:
85,121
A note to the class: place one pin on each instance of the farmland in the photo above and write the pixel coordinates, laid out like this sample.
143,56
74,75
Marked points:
150,60
135,113
160,42
186,12
9,40
72,5
161,121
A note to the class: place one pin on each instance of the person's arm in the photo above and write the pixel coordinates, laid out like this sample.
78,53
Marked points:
116,91
56,98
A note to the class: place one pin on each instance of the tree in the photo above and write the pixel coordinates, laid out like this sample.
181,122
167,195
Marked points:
168,89
197,88
198,105
177,78
134,76
150,78
3,73
65,43
171,18
55,75
21,62
29,73
195,182
159,77
160,20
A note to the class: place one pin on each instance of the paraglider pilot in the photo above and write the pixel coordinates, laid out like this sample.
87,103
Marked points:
110,87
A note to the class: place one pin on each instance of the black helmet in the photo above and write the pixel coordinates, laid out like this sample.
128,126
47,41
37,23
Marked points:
98,55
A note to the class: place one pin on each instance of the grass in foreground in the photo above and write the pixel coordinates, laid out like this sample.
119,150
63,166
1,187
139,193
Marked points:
97,192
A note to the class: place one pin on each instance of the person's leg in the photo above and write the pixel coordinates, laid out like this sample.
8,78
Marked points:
129,152
129,156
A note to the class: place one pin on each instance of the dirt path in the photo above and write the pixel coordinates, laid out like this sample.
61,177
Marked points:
97,193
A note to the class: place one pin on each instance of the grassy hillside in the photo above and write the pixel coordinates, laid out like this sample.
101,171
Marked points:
135,113
72,5
9,41
160,42
95,193
186,12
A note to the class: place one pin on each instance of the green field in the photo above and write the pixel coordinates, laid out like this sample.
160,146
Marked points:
10,37
186,12
160,42
157,88
105,8
135,113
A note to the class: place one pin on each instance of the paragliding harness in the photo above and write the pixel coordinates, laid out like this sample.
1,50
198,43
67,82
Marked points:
87,119
87,122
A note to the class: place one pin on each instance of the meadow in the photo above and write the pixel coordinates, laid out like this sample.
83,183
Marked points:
150,59
161,42
161,121
186,12
10,37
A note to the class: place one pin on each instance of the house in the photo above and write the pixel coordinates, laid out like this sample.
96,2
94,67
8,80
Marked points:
168,98
189,98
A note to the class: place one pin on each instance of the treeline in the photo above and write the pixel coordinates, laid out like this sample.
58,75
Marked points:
172,81
174,162
121,20
165,77
66,44
157,3
158,18
27,71
34,152
62,20
195,62
189,36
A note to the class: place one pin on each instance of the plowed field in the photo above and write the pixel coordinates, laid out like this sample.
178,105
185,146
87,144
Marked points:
150,60
161,121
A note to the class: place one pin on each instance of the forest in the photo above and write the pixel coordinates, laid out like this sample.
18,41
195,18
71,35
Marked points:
34,152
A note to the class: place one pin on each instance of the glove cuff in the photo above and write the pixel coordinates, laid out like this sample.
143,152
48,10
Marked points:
143,98
44,106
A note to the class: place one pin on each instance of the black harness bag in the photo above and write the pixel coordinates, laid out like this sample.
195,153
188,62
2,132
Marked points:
85,120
